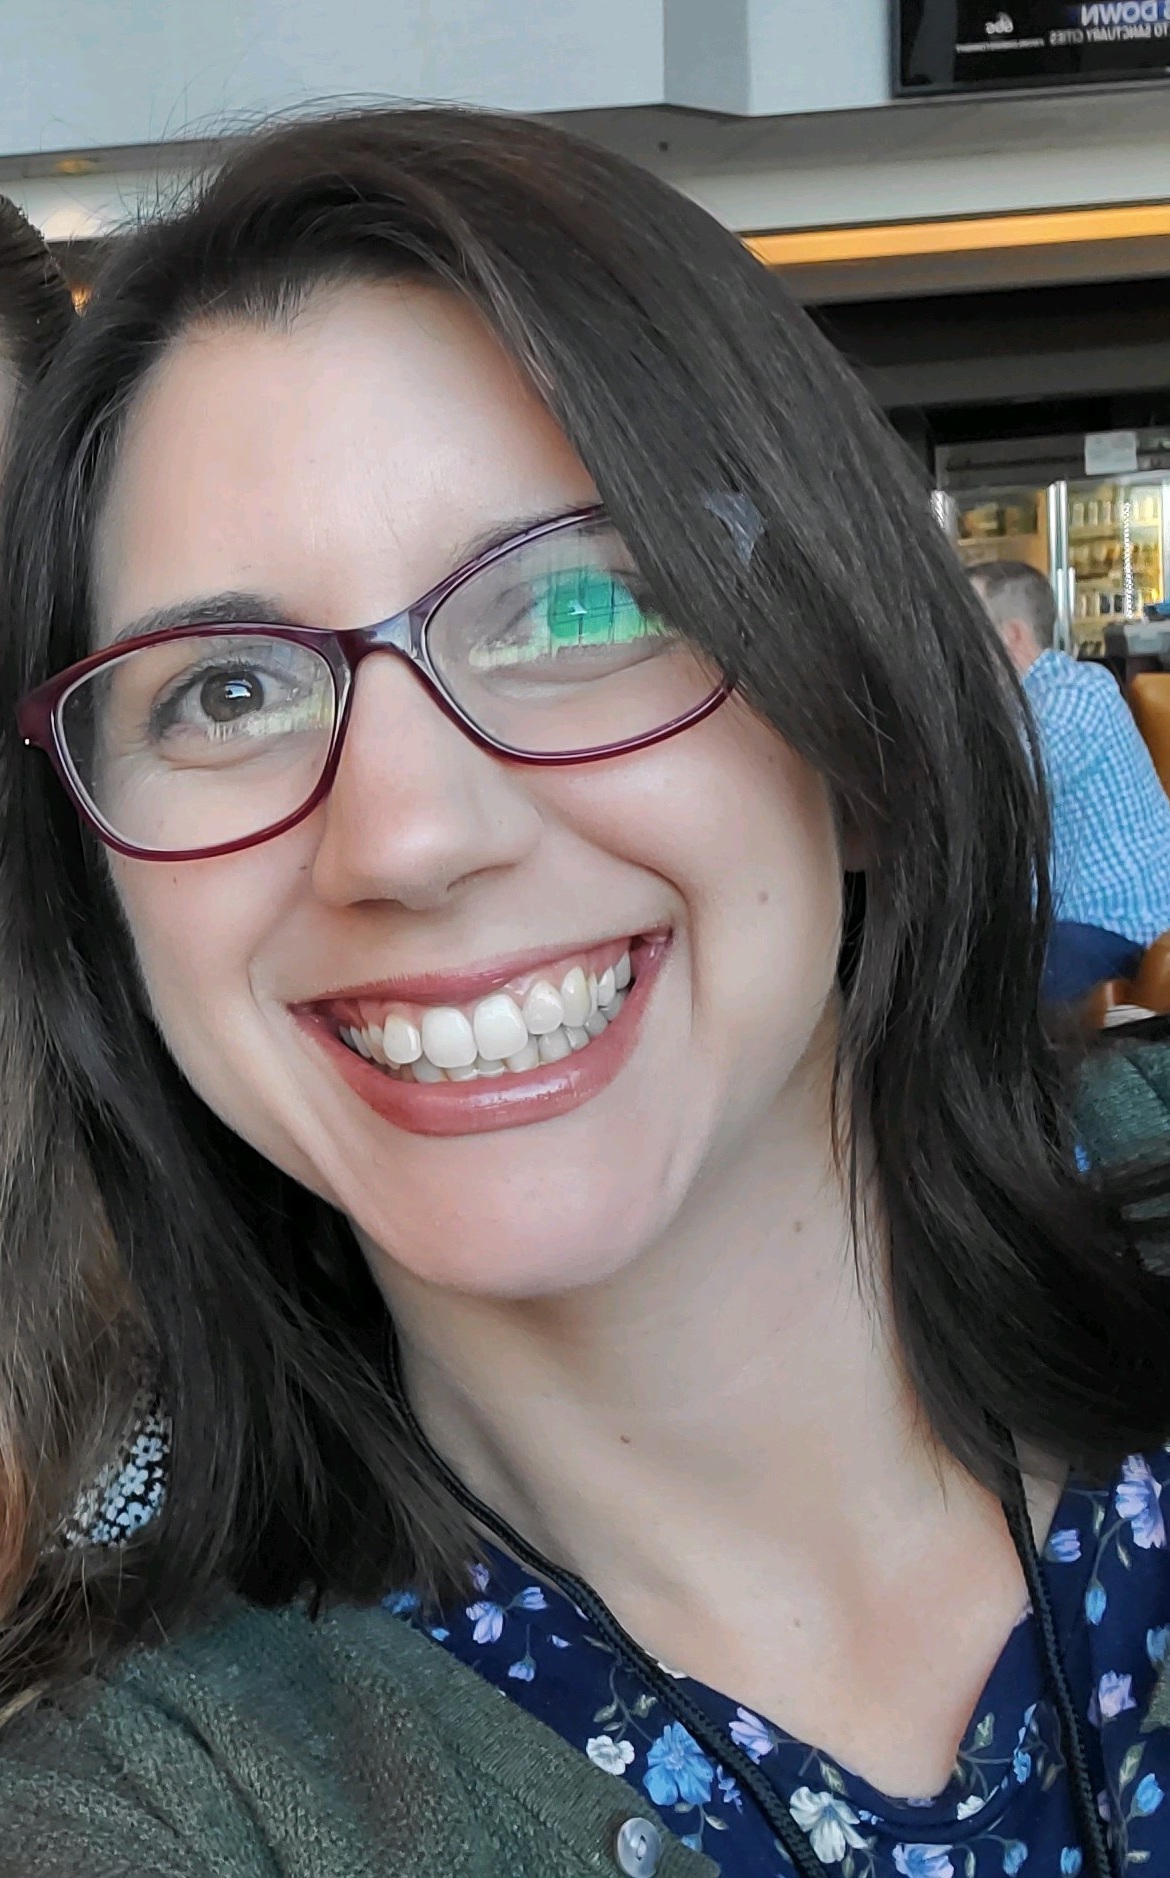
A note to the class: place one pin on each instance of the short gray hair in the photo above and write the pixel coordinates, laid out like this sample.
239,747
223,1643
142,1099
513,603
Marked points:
1013,590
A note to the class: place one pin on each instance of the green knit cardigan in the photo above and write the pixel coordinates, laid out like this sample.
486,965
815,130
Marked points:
266,1745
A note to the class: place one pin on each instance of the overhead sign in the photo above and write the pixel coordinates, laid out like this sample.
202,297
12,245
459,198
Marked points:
1111,452
971,45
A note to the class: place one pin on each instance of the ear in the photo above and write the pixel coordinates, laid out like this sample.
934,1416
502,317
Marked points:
1018,642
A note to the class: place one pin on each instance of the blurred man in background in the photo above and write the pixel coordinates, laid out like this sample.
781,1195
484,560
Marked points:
1110,814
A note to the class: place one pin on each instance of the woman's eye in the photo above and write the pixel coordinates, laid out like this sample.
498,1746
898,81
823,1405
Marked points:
216,698
583,609
226,696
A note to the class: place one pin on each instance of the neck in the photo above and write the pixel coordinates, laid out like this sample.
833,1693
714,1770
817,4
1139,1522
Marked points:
722,1443
737,1377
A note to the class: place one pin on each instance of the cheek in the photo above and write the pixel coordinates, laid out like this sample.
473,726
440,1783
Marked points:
743,831
197,930
726,813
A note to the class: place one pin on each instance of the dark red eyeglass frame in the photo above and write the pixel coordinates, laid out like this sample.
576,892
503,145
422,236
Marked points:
404,634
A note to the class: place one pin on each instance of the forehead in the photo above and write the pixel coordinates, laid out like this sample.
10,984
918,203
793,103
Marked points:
335,462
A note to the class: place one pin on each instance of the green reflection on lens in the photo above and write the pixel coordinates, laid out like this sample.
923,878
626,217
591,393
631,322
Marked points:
585,607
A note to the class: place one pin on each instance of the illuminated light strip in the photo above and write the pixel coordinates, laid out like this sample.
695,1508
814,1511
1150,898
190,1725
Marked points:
976,234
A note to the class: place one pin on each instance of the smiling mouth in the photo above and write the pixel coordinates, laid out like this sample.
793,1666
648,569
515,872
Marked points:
538,1019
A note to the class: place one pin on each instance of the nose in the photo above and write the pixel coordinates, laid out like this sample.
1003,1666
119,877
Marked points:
416,809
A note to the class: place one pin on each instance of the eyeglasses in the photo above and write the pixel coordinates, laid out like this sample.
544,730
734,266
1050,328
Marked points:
204,739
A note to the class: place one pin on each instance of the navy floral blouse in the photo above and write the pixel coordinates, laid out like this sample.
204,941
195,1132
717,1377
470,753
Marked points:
1007,1808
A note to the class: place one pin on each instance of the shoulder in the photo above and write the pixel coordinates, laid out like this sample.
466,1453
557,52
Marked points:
269,1745
1057,679
262,1728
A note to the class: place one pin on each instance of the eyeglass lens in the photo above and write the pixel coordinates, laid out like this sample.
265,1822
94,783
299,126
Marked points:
204,739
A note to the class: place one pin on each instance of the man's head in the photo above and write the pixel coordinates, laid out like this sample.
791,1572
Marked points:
1022,606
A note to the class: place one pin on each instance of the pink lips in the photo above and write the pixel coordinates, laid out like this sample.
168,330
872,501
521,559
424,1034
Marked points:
454,987
477,1107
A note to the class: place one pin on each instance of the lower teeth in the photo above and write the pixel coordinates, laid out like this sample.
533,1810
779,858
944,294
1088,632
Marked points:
553,1048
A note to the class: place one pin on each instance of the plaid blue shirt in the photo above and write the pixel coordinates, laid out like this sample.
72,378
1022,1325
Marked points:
1110,814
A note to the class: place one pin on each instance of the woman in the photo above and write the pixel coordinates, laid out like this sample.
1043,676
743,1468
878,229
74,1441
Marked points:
546,1087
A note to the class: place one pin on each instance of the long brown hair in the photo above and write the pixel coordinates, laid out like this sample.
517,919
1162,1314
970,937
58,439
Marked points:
36,306
131,1218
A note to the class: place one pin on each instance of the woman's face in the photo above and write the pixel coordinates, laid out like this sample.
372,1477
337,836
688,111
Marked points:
340,469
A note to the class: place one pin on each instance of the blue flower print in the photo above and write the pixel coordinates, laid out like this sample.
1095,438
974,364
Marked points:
749,1733
1158,1645
677,1769
729,1793
488,1620
480,1577
924,1861
1138,1500
1114,1694
401,1603
1004,1811
1147,1798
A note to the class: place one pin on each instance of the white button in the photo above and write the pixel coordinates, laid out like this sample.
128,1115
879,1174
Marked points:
639,1848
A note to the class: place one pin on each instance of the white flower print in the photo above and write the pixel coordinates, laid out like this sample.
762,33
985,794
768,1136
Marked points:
488,1619
829,1823
613,1757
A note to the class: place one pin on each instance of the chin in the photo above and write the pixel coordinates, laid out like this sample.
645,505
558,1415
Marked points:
517,1241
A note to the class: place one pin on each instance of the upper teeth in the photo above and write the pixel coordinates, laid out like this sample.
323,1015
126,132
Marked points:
500,1033
401,1042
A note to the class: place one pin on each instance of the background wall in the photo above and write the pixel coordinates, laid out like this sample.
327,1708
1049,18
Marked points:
775,114
75,75
94,74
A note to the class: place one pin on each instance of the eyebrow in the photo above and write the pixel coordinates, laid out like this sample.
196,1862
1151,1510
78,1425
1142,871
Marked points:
256,609
218,609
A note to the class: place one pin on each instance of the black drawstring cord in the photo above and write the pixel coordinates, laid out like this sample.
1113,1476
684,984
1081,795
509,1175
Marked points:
674,1699
725,1751
722,1749
1089,1824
